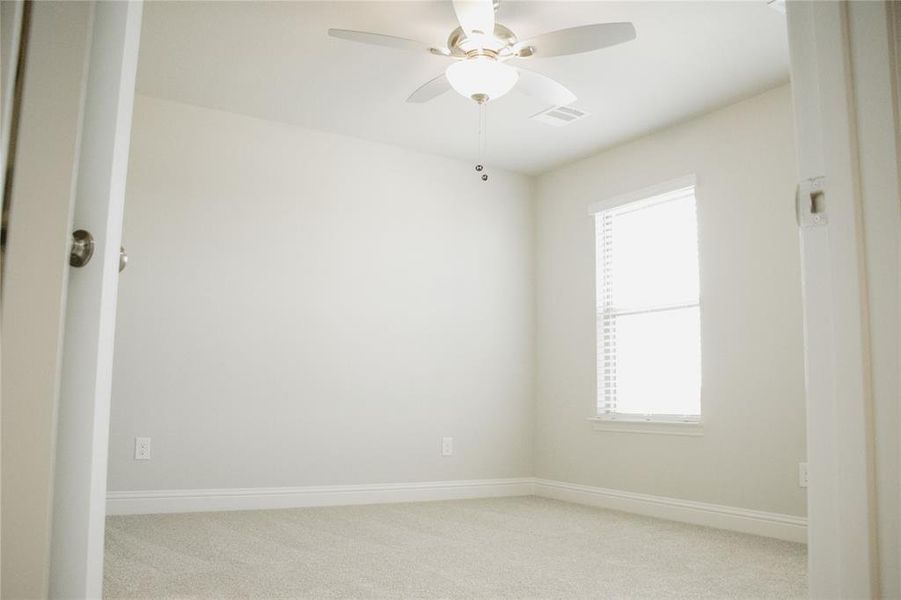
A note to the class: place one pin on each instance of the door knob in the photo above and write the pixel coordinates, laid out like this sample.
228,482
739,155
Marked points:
82,248
123,258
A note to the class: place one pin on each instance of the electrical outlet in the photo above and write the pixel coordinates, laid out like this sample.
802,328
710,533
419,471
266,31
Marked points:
802,474
447,446
142,448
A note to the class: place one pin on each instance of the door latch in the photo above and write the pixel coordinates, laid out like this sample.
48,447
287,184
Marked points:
810,203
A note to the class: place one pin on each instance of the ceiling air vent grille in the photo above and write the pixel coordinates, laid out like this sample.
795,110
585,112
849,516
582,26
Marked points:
558,116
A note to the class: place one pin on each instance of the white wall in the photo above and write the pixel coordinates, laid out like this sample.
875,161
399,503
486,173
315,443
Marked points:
302,308
753,395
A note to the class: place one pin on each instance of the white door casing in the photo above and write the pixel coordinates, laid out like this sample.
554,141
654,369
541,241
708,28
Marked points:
842,80
872,34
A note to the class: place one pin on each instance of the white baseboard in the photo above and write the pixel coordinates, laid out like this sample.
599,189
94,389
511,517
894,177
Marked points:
785,527
775,525
209,500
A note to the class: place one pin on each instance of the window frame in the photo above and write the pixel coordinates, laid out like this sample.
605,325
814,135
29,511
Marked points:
633,422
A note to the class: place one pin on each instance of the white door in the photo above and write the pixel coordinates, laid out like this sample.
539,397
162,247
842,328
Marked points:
58,321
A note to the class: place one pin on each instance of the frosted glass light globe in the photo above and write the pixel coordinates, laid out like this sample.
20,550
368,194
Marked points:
482,76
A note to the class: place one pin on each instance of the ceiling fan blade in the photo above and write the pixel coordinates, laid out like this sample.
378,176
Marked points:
576,40
389,41
429,90
475,15
543,88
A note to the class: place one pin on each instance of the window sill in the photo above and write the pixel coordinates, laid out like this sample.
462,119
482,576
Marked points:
689,428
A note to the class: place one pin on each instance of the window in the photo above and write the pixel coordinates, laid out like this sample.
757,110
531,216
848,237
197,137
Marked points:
648,308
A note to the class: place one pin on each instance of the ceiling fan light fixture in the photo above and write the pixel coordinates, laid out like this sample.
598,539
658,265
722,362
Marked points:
482,78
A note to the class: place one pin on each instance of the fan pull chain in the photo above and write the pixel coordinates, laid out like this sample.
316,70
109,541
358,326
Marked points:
483,140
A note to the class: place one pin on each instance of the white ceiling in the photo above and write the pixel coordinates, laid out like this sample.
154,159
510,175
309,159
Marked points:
274,60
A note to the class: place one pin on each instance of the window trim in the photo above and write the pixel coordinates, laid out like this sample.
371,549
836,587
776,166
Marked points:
655,425
691,425
643,194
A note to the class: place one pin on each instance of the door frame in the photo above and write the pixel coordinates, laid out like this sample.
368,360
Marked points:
840,101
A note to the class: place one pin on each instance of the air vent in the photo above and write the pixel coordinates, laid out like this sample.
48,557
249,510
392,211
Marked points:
558,116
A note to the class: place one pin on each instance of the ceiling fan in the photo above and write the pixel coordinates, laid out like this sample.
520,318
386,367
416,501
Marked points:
480,48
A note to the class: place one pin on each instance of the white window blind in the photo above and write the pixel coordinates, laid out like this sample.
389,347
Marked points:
648,309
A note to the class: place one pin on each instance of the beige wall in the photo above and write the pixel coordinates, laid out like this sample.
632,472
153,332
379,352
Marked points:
303,308
753,394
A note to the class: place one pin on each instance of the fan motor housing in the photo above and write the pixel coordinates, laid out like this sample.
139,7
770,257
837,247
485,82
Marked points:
456,42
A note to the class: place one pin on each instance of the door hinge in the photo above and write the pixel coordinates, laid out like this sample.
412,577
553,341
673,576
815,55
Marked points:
810,203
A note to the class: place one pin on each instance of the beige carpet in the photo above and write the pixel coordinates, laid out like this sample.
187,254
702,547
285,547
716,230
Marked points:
525,547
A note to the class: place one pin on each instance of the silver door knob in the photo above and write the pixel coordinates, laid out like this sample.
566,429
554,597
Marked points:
82,248
123,258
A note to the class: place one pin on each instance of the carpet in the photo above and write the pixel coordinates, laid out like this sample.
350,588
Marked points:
523,547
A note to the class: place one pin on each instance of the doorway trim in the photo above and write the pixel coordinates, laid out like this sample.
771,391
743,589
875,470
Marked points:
837,99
